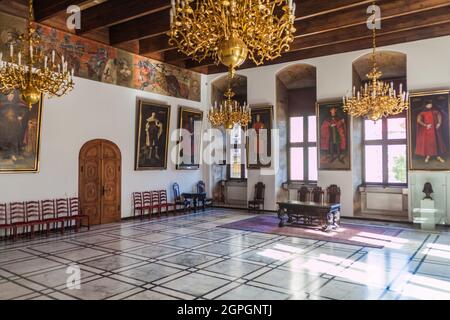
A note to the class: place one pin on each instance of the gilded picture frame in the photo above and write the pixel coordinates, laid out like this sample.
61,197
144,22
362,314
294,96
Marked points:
431,142
20,135
333,154
152,135
188,119
262,118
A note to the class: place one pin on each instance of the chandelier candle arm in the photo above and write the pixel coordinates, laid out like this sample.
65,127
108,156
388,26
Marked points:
31,74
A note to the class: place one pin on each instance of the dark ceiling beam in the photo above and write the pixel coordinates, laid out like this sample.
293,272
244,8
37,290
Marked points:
114,12
174,55
45,9
155,44
125,32
144,27
439,29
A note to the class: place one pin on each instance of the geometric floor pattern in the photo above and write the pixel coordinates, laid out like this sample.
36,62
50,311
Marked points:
188,257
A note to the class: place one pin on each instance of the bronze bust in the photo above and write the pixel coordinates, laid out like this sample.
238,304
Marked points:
428,190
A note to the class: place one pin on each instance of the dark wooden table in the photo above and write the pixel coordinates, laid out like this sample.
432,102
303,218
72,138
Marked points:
326,215
196,199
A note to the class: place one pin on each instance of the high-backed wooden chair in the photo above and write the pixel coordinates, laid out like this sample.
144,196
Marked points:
139,203
147,203
32,215
258,200
201,188
164,203
4,221
62,212
77,214
155,204
48,214
317,195
333,194
179,199
303,194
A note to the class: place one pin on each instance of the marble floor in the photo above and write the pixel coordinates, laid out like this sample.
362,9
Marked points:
188,257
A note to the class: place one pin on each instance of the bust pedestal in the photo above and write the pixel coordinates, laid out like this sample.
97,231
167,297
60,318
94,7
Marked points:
428,214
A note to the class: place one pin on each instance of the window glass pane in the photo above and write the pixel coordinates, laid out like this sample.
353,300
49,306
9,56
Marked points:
374,164
397,128
397,163
235,172
312,131
296,163
373,130
236,135
312,163
296,129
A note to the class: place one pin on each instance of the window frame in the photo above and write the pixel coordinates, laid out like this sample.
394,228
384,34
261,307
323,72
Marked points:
243,165
305,145
385,142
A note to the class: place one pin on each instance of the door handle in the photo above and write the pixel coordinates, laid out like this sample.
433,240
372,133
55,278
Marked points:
103,191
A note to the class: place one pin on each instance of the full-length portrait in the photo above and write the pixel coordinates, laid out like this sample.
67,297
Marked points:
189,142
429,131
152,135
19,134
259,143
334,137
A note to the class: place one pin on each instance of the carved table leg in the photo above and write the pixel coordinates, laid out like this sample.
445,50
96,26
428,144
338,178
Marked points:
281,213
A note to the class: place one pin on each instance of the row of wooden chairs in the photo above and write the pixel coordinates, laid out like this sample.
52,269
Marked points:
30,214
317,194
149,201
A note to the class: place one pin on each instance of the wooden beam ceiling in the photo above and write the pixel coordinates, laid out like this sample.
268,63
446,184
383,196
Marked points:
45,9
115,12
323,27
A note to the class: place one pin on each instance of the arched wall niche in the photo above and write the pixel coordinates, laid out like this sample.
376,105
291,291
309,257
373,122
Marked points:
223,191
238,85
296,95
393,64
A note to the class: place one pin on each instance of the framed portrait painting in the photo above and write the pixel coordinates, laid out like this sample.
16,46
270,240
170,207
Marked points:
333,138
429,134
20,134
190,125
152,135
259,137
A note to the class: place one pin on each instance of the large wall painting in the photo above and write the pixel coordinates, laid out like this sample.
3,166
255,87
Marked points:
152,135
428,115
334,136
99,62
20,129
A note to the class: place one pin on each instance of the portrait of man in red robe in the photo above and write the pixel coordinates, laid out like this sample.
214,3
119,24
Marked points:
333,137
429,133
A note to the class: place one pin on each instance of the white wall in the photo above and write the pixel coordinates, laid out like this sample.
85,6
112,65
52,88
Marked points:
95,110
428,68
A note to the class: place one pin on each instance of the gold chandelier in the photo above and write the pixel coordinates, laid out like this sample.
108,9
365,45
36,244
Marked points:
377,98
30,71
229,113
229,31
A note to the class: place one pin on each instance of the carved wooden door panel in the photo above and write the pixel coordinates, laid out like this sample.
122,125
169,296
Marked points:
111,183
100,181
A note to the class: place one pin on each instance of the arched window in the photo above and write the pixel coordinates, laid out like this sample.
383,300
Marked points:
298,83
384,141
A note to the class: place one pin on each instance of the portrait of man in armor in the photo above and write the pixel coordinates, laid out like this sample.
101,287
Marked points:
152,136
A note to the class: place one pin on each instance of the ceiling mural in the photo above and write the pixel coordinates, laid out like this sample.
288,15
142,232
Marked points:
94,61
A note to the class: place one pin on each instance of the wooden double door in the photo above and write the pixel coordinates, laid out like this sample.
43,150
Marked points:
100,181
